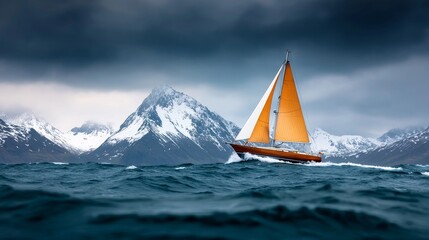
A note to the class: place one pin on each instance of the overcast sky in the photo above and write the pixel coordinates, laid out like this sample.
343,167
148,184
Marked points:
362,66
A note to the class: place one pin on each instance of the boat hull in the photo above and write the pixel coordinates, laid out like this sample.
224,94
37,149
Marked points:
283,155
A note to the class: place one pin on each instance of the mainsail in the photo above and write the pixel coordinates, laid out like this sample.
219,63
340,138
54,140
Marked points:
289,125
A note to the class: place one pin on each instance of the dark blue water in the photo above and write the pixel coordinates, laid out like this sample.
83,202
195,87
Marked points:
245,200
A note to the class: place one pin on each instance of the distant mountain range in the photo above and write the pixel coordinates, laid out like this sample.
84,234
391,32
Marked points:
76,141
20,144
408,147
170,127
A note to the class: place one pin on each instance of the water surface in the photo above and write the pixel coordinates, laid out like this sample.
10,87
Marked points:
242,200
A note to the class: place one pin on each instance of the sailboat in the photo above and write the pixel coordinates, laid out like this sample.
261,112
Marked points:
288,127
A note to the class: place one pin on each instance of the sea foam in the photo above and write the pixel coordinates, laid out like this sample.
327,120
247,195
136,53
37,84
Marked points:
328,164
234,158
60,163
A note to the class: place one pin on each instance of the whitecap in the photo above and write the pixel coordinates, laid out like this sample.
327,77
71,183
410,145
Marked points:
425,173
247,156
60,163
233,159
131,167
423,166
327,164
180,168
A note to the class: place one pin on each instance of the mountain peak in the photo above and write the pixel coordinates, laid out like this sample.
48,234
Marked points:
21,118
91,127
163,90
320,131
397,134
163,96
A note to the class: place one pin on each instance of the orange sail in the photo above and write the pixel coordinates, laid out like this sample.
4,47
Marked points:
256,128
290,125
261,132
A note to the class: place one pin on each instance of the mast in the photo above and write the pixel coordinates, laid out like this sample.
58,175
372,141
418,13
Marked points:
276,112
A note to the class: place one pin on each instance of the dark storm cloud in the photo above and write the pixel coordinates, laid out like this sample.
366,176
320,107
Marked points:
360,61
81,33
48,31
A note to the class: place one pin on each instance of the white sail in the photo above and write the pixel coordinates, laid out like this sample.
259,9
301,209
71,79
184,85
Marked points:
248,128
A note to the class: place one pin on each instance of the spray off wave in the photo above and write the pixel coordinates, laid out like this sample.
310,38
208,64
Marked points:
234,158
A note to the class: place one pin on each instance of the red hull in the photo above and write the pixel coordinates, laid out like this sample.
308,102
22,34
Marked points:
279,154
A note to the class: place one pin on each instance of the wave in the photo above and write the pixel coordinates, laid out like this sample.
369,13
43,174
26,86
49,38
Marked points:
234,158
277,222
60,163
328,164
423,166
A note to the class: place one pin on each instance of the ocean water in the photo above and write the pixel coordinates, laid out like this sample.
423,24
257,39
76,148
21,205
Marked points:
241,200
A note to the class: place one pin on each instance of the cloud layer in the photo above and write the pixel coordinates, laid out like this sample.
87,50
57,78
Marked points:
365,57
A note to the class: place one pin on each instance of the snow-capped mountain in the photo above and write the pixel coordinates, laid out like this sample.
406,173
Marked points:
77,141
169,127
89,136
29,121
344,145
412,149
398,134
20,144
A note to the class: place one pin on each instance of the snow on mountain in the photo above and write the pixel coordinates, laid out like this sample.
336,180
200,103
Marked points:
170,127
398,134
410,140
29,121
332,145
412,149
21,144
11,131
171,114
89,136
78,140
